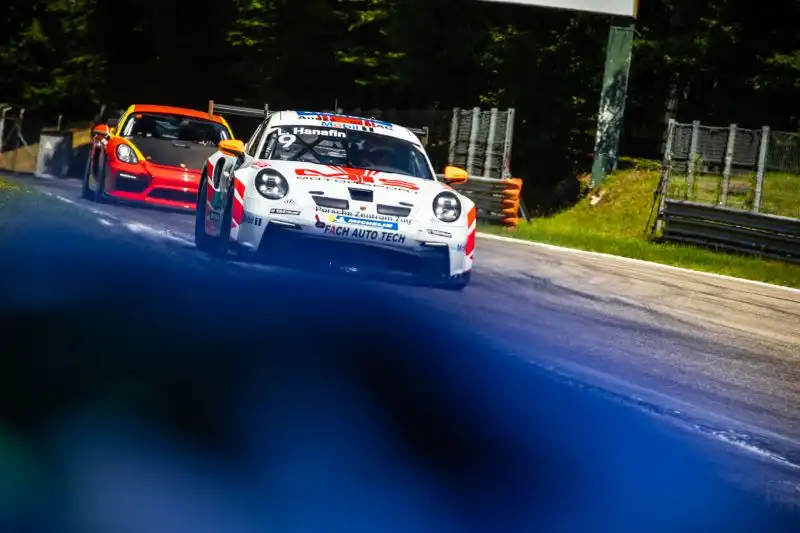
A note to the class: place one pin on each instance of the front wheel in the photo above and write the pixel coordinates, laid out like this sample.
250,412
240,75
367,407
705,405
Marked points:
457,283
201,239
100,193
213,245
86,192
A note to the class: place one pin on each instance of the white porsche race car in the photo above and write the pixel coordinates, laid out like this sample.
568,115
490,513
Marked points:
357,189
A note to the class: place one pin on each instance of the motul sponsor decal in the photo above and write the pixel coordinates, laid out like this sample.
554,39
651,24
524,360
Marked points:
355,175
344,120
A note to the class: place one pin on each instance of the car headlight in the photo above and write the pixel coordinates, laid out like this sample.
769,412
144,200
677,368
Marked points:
125,154
271,185
447,207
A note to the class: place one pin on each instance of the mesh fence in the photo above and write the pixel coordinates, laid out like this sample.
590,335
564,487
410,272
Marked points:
489,129
781,194
719,166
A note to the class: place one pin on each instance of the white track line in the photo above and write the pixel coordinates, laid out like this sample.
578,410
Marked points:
629,260
144,229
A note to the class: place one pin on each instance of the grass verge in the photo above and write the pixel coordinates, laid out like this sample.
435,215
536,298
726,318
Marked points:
616,225
7,187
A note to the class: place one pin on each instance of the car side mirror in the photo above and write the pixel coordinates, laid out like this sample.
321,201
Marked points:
232,147
455,175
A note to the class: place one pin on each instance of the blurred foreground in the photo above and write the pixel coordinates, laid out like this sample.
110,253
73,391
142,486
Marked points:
148,390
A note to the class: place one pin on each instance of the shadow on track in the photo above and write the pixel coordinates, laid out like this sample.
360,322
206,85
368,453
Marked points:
150,392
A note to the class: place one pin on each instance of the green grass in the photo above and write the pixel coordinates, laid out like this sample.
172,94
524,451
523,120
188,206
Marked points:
616,225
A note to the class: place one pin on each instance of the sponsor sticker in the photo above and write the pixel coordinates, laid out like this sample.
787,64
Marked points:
252,219
369,216
440,233
461,247
213,216
363,234
299,130
279,211
344,121
356,221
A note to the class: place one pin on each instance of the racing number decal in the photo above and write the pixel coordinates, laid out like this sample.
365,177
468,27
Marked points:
286,140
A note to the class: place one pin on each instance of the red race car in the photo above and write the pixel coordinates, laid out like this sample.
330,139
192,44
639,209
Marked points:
153,155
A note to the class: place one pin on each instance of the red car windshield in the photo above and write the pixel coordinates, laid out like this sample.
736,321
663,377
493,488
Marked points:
174,128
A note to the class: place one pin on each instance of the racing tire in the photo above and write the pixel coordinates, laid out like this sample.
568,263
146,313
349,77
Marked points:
458,283
214,246
100,193
86,192
201,239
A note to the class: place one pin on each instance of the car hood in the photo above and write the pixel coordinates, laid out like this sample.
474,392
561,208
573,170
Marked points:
338,178
171,153
367,192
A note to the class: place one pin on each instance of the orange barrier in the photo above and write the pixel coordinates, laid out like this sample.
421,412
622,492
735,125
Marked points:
497,200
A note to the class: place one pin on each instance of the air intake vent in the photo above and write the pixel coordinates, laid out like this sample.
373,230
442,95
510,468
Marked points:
394,211
360,195
332,203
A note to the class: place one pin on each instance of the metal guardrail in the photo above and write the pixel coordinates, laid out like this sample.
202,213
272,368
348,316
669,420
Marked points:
224,109
731,229
699,196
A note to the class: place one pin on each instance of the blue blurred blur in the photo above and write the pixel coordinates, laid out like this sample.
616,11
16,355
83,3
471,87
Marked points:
148,390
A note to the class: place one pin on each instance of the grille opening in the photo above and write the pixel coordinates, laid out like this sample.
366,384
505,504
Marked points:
286,246
360,195
393,210
174,196
332,203
129,185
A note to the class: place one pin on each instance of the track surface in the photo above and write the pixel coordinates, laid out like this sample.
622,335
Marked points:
717,359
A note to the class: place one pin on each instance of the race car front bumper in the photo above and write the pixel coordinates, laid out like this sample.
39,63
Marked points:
287,231
152,184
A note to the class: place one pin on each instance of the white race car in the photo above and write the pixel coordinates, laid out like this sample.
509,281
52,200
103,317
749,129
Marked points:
356,188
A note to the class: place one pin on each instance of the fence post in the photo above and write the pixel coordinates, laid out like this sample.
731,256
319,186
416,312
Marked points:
451,155
473,139
18,138
762,163
3,110
666,166
726,177
692,160
507,144
60,118
487,162
211,107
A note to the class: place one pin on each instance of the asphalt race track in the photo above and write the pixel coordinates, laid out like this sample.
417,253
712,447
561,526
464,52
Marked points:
709,362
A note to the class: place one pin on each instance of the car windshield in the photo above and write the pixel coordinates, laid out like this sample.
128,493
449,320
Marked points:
346,147
174,128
